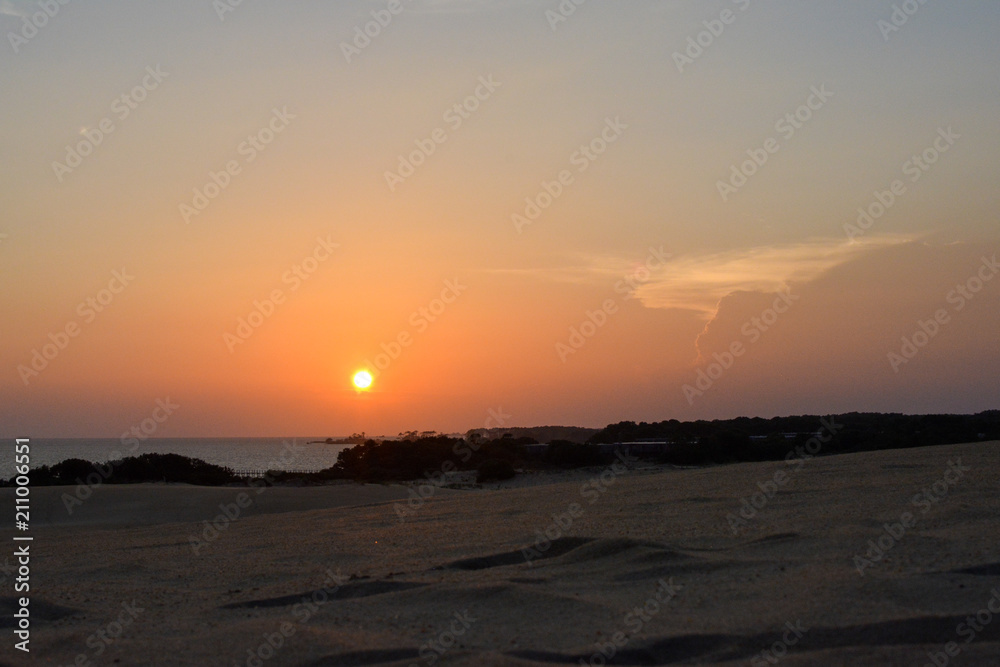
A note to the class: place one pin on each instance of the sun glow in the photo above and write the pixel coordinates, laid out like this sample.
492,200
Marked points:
362,380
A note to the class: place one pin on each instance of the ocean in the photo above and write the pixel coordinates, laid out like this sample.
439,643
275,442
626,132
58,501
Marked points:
235,453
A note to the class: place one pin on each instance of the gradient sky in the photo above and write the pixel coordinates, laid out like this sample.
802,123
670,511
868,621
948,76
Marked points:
496,346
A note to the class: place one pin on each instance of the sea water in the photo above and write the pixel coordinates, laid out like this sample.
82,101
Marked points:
293,454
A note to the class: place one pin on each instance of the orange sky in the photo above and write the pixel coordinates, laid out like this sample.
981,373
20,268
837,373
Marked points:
632,246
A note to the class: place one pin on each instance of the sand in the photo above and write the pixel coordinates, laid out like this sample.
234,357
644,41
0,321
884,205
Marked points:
642,564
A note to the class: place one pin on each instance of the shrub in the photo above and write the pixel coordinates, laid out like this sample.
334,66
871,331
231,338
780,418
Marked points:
571,455
135,470
494,470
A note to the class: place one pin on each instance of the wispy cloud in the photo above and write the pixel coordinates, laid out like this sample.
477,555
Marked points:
19,9
581,268
699,282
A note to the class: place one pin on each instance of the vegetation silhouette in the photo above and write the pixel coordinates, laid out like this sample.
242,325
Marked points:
426,455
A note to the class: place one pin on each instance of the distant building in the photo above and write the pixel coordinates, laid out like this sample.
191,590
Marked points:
788,435
644,447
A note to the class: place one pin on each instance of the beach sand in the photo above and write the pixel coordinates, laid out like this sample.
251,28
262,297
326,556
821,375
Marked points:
640,563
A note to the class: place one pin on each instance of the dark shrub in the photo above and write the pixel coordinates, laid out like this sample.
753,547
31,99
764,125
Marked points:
169,468
133,470
494,470
397,460
69,471
571,455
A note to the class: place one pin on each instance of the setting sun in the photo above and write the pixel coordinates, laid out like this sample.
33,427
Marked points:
362,379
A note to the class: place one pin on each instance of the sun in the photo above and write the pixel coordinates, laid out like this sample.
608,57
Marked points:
362,380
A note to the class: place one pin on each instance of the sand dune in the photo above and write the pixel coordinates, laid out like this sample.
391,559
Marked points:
642,565
150,504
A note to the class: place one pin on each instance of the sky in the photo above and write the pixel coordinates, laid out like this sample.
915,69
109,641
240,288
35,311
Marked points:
510,213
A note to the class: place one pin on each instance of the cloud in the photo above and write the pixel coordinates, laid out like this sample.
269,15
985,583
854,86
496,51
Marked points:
8,8
832,345
700,282
587,268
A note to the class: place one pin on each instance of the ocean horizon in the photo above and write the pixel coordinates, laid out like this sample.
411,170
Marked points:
287,453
